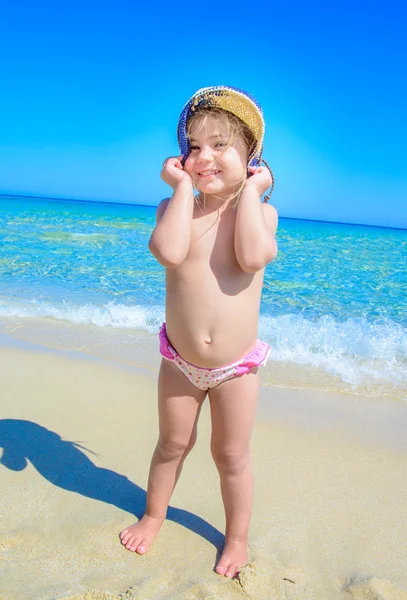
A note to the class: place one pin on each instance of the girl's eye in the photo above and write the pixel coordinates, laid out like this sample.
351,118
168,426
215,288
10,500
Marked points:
217,145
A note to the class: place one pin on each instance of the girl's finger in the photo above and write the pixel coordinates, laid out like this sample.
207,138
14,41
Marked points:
172,159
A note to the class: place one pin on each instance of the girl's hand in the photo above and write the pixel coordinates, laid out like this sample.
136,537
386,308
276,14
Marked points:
260,179
173,172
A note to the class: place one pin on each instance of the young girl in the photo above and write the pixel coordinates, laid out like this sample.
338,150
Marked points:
214,246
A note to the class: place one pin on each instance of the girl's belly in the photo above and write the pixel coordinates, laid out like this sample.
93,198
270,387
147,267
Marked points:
212,334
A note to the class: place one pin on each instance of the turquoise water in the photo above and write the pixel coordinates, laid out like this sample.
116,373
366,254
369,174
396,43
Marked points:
334,298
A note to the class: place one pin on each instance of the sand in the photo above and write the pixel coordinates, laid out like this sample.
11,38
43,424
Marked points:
330,512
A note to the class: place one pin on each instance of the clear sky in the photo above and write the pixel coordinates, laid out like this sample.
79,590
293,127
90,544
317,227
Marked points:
91,93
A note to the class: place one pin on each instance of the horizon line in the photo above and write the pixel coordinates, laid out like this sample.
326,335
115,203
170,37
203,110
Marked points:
2,195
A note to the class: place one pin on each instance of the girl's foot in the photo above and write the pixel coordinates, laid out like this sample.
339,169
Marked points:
234,557
138,537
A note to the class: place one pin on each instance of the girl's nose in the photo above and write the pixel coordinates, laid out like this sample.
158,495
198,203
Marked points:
205,154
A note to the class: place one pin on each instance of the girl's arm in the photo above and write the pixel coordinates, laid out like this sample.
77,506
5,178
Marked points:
256,225
171,238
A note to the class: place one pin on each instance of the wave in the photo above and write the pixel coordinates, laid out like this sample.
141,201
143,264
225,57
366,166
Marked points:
82,238
107,315
356,350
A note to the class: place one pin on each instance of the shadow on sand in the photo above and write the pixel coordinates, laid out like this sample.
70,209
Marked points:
64,464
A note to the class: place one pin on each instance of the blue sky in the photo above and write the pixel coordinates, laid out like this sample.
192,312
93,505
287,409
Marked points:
92,91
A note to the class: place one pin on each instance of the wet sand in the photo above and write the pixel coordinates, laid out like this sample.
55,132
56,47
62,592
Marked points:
329,519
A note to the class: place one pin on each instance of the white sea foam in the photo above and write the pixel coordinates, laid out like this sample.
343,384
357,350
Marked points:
356,350
147,318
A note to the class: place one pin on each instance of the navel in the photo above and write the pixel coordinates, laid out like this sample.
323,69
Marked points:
208,340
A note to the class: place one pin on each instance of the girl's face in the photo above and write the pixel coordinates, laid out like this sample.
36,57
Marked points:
216,164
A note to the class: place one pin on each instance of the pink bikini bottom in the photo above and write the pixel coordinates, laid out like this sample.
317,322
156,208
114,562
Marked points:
205,379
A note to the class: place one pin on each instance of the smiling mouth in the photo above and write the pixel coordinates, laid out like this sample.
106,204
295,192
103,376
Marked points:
209,173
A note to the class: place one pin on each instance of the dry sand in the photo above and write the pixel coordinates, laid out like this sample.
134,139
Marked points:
330,513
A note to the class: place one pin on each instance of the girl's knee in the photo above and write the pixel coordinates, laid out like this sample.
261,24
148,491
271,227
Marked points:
173,448
231,462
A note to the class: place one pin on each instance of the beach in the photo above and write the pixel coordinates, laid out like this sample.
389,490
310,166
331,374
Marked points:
264,219
81,303
77,433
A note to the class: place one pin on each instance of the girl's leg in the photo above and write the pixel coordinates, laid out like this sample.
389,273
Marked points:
233,407
179,405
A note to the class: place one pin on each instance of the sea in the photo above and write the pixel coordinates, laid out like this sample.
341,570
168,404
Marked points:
78,275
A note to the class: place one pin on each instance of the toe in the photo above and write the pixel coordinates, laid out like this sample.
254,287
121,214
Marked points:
125,538
221,569
143,546
230,571
132,544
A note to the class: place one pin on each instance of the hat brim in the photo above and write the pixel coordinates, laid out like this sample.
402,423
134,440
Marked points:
233,100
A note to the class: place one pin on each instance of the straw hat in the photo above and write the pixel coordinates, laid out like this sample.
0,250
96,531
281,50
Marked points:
233,100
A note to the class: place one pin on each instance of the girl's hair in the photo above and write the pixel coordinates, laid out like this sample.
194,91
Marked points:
234,128
232,124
